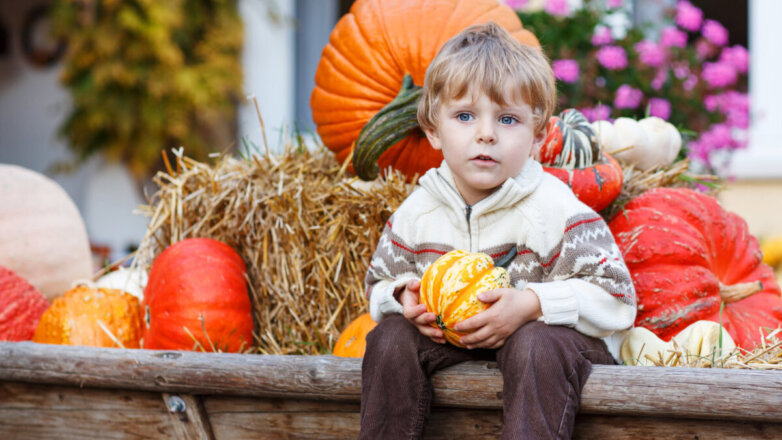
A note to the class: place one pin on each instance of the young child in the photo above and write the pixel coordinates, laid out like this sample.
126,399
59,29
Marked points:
486,101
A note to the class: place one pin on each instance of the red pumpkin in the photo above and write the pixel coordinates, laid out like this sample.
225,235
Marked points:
21,307
196,298
687,255
572,154
361,71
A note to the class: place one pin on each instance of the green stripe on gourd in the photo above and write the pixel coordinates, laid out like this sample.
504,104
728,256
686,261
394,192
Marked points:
390,125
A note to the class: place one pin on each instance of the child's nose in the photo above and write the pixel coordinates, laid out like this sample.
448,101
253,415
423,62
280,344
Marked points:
486,135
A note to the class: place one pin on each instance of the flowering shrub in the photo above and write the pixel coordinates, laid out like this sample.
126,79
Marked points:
682,70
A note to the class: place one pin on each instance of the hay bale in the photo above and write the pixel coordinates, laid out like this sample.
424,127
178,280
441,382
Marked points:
304,229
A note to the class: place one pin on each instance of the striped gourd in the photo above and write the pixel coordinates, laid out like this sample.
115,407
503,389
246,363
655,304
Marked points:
450,288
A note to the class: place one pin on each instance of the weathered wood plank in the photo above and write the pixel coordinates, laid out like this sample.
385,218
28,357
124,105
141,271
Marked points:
246,418
188,417
616,390
597,427
29,411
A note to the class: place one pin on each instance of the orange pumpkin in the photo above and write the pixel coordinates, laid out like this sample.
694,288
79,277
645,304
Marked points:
352,341
362,68
450,288
94,317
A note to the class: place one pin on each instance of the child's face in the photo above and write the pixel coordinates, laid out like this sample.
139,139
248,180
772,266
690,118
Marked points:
483,142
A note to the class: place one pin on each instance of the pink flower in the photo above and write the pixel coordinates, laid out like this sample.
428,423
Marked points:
719,74
601,112
660,107
715,32
516,4
566,70
681,70
602,36
718,136
612,57
688,16
614,3
690,82
659,79
650,53
557,7
711,102
598,113
627,97
673,37
737,56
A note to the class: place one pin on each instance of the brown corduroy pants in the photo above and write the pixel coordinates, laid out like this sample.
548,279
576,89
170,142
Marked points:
543,367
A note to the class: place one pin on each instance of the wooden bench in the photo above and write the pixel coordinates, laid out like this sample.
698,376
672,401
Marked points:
50,391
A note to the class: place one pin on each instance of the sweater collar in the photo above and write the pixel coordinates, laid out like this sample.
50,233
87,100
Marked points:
440,183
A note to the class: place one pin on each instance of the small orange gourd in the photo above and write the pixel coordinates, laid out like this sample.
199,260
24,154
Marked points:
451,285
94,317
352,341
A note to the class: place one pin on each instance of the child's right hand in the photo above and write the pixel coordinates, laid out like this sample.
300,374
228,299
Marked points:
416,313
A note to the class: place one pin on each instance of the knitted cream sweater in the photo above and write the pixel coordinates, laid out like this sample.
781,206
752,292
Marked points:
566,253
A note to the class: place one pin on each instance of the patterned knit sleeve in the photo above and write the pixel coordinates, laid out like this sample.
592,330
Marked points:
392,266
587,284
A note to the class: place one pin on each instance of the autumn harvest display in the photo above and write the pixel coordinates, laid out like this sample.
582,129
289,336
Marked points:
267,253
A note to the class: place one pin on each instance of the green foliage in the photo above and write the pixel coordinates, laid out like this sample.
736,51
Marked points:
148,75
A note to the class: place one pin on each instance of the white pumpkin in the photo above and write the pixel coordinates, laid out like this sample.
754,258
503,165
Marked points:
701,338
606,135
132,281
648,144
665,141
42,234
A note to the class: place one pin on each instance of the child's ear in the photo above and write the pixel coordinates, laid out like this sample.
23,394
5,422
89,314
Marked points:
537,142
433,138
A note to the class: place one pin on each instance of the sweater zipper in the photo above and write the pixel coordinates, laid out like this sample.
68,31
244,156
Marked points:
467,213
467,210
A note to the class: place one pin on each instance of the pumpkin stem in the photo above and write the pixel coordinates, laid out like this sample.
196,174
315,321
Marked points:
737,292
390,125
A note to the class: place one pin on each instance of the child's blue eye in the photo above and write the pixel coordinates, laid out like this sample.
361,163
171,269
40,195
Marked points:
464,117
507,120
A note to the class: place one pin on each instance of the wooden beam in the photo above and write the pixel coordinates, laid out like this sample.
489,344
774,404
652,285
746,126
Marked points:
631,391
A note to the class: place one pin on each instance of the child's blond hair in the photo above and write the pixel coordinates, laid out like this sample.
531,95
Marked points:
489,57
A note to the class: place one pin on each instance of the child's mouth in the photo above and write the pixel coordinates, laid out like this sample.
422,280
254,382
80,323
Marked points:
483,159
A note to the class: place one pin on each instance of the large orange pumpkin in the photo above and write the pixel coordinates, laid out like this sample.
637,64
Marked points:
362,68
687,255
94,317
196,298
42,234
21,307
352,341
450,288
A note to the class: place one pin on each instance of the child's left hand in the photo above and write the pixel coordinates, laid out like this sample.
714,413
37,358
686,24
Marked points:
510,310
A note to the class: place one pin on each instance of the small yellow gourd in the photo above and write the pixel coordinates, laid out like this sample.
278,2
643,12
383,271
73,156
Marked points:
450,288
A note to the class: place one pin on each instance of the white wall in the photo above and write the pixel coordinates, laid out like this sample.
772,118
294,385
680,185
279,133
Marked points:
763,157
268,65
